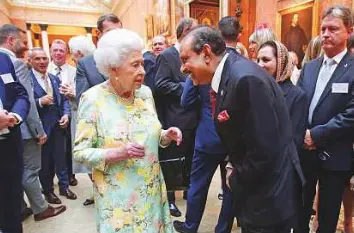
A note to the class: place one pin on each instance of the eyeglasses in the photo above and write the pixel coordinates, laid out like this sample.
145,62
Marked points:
324,156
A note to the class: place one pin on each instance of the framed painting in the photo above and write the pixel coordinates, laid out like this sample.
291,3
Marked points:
179,10
205,14
162,17
298,24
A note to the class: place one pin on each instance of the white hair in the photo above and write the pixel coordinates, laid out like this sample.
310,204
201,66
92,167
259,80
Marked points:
114,47
83,44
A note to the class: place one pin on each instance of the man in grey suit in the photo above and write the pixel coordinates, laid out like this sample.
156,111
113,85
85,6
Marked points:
87,74
13,42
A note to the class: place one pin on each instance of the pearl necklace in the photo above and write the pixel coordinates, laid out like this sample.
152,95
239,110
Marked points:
125,101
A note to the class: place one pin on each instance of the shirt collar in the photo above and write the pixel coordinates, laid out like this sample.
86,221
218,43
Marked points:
177,46
215,82
337,58
9,52
37,74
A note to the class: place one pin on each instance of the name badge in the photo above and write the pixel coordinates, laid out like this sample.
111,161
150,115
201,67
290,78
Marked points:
341,88
7,78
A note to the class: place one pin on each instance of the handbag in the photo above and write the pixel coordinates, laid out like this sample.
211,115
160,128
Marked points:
174,172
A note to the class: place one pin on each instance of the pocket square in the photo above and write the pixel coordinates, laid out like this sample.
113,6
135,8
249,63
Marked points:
223,116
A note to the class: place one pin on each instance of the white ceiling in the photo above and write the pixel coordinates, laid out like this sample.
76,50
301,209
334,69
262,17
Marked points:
66,5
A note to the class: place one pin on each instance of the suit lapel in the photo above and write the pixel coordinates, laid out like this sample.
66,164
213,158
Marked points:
337,74
223,85
38,90
313,80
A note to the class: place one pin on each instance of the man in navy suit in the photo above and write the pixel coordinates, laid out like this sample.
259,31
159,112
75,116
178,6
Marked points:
169,83
329,84
252,119
14,107
87,74
209,152
158,45
54,111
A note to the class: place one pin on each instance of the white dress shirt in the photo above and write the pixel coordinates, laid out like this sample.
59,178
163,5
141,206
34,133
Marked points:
215,82
67,73
40,80
177,46
328,67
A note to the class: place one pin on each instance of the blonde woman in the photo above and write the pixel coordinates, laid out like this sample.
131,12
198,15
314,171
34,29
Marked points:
258,37
313,50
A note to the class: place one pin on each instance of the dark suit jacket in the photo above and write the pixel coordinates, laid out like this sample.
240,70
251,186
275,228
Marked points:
332,125
296,101
13,95
32,126
50,115
206,139
267,174
169,83
149,67
87,76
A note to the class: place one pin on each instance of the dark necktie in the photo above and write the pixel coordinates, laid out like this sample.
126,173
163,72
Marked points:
213,97
58,69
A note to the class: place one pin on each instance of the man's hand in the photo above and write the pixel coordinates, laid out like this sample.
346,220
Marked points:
6,120
15,120
63,123
228,175
309,144
41,140
67,90
46,100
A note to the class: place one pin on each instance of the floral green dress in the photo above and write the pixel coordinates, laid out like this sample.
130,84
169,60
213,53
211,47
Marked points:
130,195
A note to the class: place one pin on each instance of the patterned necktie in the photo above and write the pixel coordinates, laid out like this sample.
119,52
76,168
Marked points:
213,97
58,69
47,86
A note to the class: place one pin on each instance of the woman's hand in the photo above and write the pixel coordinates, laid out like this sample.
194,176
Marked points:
130,151
172,134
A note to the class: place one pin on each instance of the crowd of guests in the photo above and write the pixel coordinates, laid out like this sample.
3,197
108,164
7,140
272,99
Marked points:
143,124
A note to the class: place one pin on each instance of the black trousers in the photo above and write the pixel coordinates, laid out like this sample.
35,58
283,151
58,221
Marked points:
283,227
11,167
331,188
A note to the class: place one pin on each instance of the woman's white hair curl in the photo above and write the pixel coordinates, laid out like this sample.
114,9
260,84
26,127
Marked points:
83,44
114,47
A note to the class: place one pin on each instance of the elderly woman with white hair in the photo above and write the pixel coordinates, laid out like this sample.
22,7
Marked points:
80,46
118,134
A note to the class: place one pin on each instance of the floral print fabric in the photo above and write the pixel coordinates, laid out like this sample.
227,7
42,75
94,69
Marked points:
130,195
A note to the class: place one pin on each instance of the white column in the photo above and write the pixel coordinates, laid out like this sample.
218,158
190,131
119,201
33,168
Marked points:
224,9
45,41
29,36
186,10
